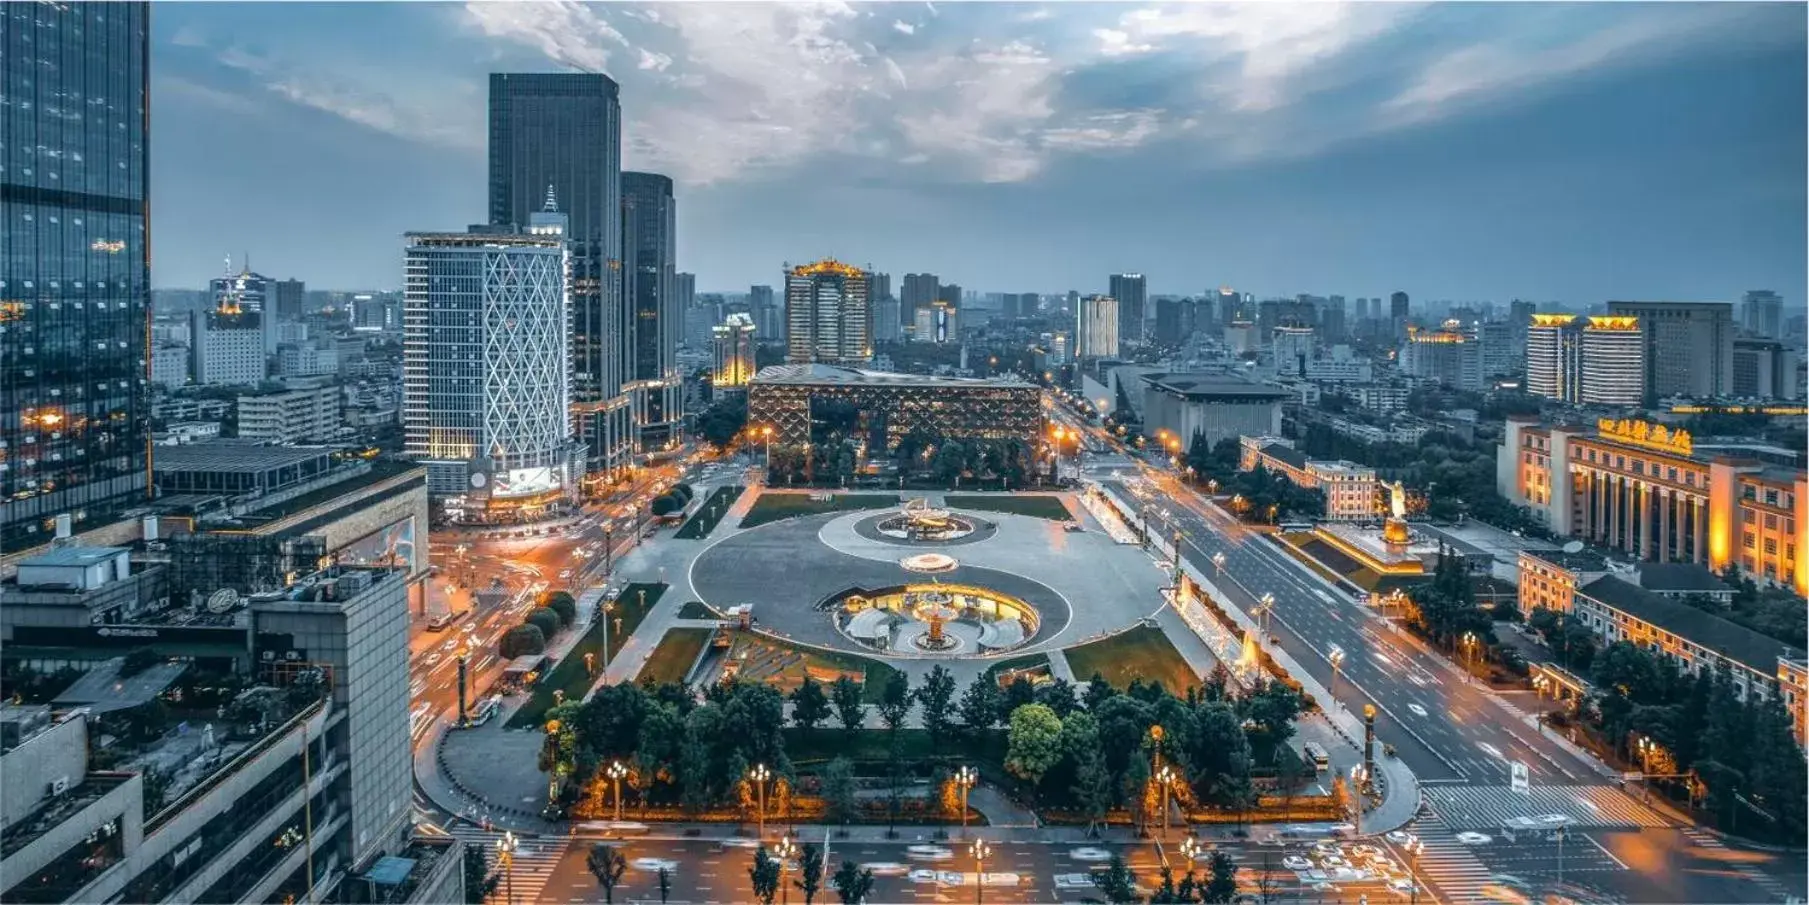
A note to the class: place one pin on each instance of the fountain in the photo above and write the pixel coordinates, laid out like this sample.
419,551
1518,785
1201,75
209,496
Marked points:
934,608
917,520
929,563
949,620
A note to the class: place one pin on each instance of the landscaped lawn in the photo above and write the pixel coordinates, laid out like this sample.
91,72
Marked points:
1048,507
711,512
758,658
568,675
696,609
1140,653
775,505
672,659
1030,662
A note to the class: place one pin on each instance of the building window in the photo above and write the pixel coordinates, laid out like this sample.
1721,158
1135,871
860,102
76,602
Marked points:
1771,522
1771,547
1749,516
1746,539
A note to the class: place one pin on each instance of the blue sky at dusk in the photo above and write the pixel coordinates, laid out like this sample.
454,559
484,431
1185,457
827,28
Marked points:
1458,151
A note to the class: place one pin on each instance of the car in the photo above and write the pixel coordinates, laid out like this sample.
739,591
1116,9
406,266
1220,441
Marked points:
922,875
1469,838
741,843
886,868
565,573
1401,837
451,644
1295,862
1074,527
929,853
653,865
1090,853
1074,881
1333,862
433,658
1324,849
1364,851
1401,885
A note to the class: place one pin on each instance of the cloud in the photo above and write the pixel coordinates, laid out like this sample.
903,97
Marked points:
166,85
188,36
565,31
903,27
897,74
658,62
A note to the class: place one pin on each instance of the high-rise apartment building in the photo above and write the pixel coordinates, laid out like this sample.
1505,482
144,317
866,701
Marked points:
1762,311
1689,346
827,317
888,325
685,288
951,293
938,323
289,298
75,282
1765,369
650,249
1447,356
486,371
1587,360
879,287
1551,356
1295,348
918,291
563,131
1132,293
734,352
1175,321
763,306
227,345
1096,327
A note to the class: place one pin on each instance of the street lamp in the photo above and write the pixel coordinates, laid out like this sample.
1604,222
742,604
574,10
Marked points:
606,607
965,778
1165,776
1413,870
1218,562
1358,776
981,852
464,672
1469,641
505,852
786,851
1192,849
590,663
616,772
1336,656
759,774
1264,605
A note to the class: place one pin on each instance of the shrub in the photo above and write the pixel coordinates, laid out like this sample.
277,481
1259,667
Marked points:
562,603
522,640
665,504
547,620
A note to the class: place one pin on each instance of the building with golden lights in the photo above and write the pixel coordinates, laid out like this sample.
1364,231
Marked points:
732,342
1448,356
1352,493
1597,360
1643,489
828,318
893,405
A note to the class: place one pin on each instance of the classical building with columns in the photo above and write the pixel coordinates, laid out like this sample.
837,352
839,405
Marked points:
1642,489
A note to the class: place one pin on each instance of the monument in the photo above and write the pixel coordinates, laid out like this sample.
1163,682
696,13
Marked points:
1394,529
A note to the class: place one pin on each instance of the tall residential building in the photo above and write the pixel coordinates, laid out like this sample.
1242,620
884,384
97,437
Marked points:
827,318
1551,356
1447,356
289,298
684,286
650,248
1176,319
486,371
74,281
1520,318
1765,369
564,130
1132,293
734,352
938,323
1689,346
1331,319
1762,310
763,306
888,325
1611,362
1295,348
879,287
951,293
291,417
228,347
918,291
1096,327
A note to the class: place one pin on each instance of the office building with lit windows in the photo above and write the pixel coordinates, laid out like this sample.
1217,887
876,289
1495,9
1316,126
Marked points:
827,316
1096,327
1689,346
733,343
650,250
1132,292
1448,356
893,405
75,281
1645,490
1587,360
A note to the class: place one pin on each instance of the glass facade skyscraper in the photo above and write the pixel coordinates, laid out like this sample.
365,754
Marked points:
650,251
74,264
563,132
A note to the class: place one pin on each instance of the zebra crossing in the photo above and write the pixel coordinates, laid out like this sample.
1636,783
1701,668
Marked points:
533,864
1588,807
1774,888
1446,865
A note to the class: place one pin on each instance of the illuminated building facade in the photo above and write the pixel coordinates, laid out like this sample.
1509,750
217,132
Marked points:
486,372
650,250
1352,493
893,405
938,322
1689,346
1642,489
733,342
75,280
827,318
228,346
1587,360
1096,327
1448,356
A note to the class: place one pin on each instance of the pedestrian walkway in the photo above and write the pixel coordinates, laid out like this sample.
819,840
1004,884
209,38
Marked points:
1773,887
1447,865
532,866
1589,807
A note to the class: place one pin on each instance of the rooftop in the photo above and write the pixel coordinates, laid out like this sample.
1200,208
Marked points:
1200,386
1728,639
103,689
1680,577
835,374
235,456
74,556
1580,561
1285,453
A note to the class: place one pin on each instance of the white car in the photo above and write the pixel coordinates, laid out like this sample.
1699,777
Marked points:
929,853
433,658
1327,849
1401,885
565,573
1090,853
1074,881
923,875
1295,862
1401,837
653,865
886,868
1469,838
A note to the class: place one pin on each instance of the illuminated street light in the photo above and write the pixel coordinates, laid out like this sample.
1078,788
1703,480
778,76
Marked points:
1263,608
965,778
759,775
981,852
616,772
786,851
1335,655
1165,776
505,852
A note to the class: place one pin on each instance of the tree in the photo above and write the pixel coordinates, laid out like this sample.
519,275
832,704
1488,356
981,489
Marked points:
607,865
849,708
1092,786
895,701
936,695
852,883
561,602
666,504
1221,887
765,875
722,422
1165,893
809,705
838,790
546,620
979,706
521,641
1034,742
480,883
810,871
1117,882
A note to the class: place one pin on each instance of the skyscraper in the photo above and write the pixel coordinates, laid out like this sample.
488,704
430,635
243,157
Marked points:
1131,291
734,352
75,281
763,307
289,298
650,246
1175,320
1763,311
1096,327
918,291
564,130
685,286
1689,346
827,318
1587,360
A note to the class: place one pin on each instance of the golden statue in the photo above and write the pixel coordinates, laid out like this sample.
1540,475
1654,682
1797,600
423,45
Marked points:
1394,529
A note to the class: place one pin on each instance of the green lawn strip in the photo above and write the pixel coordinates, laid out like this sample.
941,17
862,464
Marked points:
710,513
672,659
569,675
773,506
1143,653
696,609
1035,506
1028,661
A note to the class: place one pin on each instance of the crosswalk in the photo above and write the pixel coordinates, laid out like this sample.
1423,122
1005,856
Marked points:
1589,807
1446,865
1774,889
533,864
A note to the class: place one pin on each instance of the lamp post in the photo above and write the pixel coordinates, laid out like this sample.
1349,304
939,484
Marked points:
590,663
1469,642
1165,776
464,672
505,852
1335,655
981,852
1413,870
759,774
1358,776
1218,563
767,433
606,608
965,778
609,547
1192,849
616,772
1263,606
786,851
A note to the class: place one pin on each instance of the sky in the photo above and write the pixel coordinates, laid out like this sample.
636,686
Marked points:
1570,153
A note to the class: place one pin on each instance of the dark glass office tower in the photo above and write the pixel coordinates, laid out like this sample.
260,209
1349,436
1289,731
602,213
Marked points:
564,131
649,251
74,265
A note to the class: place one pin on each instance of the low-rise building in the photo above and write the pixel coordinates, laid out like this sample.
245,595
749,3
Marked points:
1352,493
306,415
1619,610
1213,406
1398,431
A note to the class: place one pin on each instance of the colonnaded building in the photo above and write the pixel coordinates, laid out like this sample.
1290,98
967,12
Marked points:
892,405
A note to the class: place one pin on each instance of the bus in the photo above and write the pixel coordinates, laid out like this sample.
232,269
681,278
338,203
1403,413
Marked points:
442,621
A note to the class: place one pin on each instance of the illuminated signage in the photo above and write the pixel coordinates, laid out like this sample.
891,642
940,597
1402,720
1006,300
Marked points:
112,247
1640,433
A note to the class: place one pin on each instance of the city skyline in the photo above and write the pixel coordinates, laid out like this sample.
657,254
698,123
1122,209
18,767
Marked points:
1351,132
